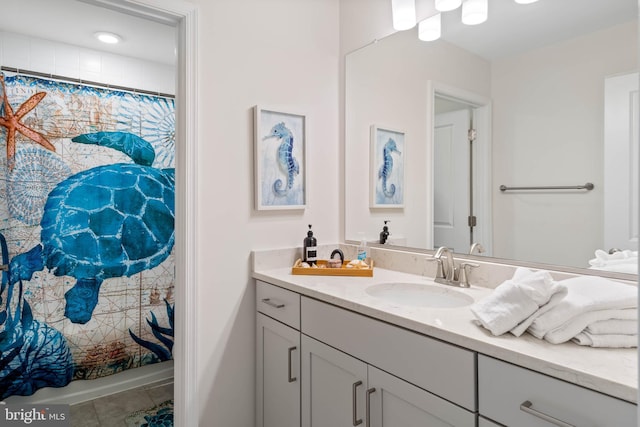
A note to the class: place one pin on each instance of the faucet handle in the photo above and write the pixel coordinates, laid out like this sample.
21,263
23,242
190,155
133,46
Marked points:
464,273
439,267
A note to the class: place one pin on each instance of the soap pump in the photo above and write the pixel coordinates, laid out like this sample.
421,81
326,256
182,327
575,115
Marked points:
310,248
384,234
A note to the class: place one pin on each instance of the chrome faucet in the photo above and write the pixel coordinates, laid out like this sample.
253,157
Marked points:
448,269
448,273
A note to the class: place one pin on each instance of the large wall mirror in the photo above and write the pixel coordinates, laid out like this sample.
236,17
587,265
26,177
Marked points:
551,89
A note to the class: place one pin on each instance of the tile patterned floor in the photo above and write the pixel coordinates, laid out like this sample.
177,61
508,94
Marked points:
110,411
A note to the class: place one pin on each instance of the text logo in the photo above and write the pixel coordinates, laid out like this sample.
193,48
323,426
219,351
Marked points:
34,415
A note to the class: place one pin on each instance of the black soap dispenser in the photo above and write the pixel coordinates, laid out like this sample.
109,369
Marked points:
310,248
384,234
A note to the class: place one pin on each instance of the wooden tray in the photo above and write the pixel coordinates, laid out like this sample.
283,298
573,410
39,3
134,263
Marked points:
323,270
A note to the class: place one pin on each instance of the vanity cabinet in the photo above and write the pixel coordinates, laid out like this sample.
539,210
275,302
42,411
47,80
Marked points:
319,365
357,370
340,390
515,396
277,357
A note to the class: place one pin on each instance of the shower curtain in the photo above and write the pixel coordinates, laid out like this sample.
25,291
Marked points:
86,231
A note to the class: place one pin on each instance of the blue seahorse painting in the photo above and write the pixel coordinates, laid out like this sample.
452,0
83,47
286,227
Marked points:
390,171
387,167
282,178
287,163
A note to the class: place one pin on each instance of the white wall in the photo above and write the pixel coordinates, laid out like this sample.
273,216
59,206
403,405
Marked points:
278,53
387,86
45,56
548,130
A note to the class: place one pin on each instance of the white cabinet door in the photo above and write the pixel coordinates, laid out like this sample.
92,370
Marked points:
333,386
392,402
277,374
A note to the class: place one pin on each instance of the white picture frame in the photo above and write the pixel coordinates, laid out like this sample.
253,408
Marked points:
280,171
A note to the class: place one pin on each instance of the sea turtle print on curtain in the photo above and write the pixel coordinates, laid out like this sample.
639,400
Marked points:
89,223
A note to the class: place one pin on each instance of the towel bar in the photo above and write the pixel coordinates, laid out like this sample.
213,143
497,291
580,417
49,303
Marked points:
588,186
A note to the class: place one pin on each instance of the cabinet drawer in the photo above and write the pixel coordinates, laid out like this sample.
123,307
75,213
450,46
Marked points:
278,303
440,368
504,390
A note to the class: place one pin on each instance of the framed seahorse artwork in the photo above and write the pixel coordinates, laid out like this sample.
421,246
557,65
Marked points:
387,160
279,159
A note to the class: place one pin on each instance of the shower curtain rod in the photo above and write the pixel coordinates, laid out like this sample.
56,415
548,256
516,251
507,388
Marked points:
588,186
30,73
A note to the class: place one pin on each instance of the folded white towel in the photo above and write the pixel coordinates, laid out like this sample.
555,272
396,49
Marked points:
579,323
585,294
611,341
622,261
560,291
604,258
614,326
514,300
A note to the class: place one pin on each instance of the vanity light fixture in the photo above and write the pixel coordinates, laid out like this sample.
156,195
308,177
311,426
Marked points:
474,12
107,37
404,14
431,28
447,5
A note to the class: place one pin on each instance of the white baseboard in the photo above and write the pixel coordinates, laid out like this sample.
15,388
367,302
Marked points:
83,390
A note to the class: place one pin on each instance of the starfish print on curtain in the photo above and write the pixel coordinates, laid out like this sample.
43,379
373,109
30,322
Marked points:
11,121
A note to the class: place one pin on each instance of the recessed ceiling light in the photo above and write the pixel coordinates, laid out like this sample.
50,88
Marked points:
106,37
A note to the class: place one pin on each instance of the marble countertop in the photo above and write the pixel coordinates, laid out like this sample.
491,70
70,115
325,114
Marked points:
610,371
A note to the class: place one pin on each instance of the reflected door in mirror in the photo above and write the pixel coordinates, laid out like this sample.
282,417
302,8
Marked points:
451,181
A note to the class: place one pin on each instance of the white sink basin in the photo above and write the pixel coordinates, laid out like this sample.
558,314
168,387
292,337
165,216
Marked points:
419,295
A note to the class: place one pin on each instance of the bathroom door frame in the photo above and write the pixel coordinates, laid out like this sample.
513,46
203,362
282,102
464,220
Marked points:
183,16
482,194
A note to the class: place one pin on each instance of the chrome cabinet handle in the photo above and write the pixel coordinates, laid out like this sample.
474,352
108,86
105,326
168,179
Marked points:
368,402
271,303
354,400
526,407
290,378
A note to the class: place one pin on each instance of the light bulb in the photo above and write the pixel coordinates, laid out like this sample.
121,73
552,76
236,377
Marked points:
430,29
404,14
474,12
109,38
447,5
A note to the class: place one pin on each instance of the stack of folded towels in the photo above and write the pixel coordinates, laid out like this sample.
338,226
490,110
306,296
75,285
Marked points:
587,310
620,261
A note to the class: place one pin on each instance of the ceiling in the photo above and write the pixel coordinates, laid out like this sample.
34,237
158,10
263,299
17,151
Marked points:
74,22
510,28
